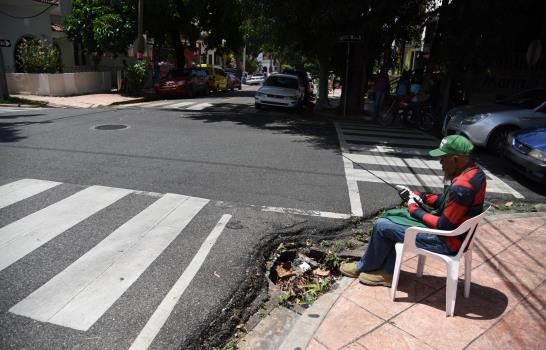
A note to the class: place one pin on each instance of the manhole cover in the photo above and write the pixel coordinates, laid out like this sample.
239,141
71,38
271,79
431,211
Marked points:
111,127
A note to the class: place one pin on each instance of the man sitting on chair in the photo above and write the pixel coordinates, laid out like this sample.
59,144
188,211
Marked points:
462,199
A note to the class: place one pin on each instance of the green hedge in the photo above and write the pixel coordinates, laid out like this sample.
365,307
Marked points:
137,74
38,56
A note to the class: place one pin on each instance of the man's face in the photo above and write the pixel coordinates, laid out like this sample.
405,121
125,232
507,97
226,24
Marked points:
449,164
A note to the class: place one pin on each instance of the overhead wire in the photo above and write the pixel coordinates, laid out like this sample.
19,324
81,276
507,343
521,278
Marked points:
26,17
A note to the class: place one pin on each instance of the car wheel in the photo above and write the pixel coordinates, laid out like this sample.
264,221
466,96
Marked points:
498,141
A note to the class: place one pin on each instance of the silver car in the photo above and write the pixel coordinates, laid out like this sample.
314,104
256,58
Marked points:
489,125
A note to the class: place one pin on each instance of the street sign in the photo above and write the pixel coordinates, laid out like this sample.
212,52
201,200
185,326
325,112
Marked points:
350,38
533,52
5,43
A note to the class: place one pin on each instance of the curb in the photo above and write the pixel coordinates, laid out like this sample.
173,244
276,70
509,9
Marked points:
283,328
306,325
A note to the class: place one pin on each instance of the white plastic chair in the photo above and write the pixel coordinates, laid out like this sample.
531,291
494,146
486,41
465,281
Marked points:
452,262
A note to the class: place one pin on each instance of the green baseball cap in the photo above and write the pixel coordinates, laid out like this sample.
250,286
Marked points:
453,144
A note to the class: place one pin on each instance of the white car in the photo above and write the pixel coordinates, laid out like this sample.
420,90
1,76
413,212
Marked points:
255,79
280,90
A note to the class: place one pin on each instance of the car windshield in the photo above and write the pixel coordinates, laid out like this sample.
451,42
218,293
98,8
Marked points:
179,73
285,82
527,99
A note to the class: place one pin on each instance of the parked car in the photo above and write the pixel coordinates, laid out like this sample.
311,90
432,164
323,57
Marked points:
527,153
233,80
255,79
280,90
306,80
217,77
183,81
489,125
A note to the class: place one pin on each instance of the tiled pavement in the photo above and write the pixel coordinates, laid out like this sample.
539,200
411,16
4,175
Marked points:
505,309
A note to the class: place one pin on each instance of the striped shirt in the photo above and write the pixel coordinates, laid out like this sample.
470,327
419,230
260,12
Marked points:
464,200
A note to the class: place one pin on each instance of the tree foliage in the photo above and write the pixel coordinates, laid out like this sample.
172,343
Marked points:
179,23
38,56
102,25
137,74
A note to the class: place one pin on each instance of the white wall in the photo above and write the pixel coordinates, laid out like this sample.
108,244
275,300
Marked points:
63,84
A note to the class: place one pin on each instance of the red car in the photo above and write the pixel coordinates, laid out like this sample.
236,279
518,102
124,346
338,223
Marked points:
187,82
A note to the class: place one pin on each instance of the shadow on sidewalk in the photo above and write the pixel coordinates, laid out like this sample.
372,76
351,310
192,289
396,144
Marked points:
484,303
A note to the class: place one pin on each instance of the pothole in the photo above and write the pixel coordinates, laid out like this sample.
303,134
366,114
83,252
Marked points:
111,127
302,274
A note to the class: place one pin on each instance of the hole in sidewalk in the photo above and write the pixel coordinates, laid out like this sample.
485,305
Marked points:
302,274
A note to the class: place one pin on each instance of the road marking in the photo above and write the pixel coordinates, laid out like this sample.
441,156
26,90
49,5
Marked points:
156,104
389,132
322,214
383,140
499,185
161,314
352,185
10,110
394,161
180,104
78,296
25,235
199,106
380,152
23,189
389,149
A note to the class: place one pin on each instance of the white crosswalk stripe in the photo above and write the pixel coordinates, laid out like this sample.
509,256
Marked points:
396,156
92,284
31,232
199,107
22,189
79,295
191,106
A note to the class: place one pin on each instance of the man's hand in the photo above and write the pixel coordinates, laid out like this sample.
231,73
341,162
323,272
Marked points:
415,198
403,191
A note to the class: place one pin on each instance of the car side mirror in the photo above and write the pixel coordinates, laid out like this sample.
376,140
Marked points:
541,107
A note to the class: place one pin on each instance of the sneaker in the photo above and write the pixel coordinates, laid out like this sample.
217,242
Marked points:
375,278
349,269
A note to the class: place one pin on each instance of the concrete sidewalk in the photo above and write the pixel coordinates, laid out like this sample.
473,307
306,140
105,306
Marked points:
81,101
505,309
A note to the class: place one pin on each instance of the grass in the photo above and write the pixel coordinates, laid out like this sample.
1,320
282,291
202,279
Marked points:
22,101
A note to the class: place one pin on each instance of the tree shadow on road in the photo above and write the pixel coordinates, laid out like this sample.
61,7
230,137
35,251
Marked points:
317,131
10,132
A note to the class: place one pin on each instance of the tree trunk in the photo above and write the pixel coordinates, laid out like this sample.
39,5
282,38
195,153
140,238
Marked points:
178,49
324,66
353,85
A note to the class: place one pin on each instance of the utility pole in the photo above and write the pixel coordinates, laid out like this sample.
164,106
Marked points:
140,37
347,39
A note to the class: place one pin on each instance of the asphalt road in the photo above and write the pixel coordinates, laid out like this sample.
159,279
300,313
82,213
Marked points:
177,209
